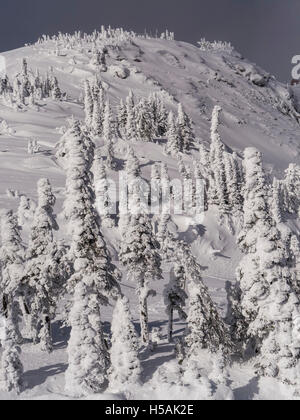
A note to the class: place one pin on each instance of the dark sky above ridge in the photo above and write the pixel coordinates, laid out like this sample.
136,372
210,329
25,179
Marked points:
265,31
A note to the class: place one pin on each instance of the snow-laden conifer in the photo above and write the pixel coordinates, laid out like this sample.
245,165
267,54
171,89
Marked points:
144,121
12,266
218,193
235,201
122,119
97,118
131,129
46,269
277,201
94,282
125,367
291,189
88,103
26,211
109,133
173,140
206,329
140,255
185,131
87,350
74,137
102,192
11,372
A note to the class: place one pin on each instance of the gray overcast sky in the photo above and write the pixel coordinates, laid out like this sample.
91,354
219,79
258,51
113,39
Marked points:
265,31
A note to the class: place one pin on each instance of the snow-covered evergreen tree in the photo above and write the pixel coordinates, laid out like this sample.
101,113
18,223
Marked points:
102,192
108,134
12,266
235,201
45,271
87,350
11,372
88,103
206,329
97,119
218,193
75,137
144,121
277,201
165,189
101,61
173,140
291,189
132,167
140,255
94,282
185,131
125,367
155,189
108,124
55,90
131,130
161,117
122,119
131,181
26,211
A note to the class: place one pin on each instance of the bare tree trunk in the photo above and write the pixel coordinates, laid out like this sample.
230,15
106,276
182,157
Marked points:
25,312
144,317
5,305
34,328
170,326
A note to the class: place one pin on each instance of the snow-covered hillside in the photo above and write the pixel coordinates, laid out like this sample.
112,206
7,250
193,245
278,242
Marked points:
257,111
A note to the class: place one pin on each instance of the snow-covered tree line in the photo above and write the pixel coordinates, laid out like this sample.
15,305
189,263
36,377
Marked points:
145,119
224,176
286,194
28,87
265,301
105,36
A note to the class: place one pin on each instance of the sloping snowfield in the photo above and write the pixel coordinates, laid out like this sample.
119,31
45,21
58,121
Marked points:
256,112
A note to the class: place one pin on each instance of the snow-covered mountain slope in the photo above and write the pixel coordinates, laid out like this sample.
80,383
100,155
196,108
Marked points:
253,103
257,111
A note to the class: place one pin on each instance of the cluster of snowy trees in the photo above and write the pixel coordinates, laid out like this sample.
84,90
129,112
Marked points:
265,300
225,179
144,120
107,36
286,194
28,88
34,277
264,303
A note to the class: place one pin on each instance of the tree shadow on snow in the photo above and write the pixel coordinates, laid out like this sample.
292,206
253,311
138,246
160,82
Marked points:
248,391
33,378
150,365
60,335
